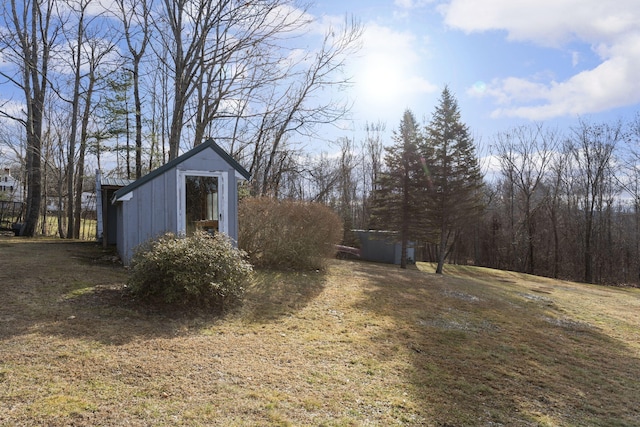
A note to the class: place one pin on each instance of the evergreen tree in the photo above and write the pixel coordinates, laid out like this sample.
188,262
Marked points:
397,200
453,198
116,112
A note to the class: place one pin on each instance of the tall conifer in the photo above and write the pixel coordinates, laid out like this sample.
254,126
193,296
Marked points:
397,203
453,198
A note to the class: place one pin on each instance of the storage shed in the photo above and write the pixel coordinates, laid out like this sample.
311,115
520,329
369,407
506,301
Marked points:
198,190
383,246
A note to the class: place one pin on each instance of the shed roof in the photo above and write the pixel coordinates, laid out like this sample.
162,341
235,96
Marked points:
114,182
162,169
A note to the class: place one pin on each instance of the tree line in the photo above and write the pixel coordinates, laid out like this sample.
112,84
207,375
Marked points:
562,204
550,202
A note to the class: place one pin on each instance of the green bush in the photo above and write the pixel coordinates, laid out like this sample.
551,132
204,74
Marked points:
288,234
201,270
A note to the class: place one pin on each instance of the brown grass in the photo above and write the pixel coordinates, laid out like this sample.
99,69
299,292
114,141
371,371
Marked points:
361,344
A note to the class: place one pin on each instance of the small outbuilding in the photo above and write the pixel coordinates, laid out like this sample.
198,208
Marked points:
383,246
195,191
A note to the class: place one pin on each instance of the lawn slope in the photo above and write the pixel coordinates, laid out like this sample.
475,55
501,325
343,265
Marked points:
359,344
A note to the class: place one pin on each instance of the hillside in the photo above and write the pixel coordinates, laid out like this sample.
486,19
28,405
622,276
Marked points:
361,344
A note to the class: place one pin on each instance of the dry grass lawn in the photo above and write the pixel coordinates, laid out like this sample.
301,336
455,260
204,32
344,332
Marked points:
360,344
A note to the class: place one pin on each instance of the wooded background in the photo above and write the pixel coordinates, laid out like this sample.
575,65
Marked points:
126,89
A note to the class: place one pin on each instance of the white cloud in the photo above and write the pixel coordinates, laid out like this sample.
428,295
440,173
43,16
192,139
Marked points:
290,17
12,108
611,29
575,58
406,7
91,9
407,4
546,22
411,4
490,166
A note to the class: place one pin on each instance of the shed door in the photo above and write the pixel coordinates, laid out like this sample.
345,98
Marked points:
202,202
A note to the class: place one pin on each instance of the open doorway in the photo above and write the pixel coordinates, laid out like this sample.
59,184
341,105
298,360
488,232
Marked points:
201,207
201,202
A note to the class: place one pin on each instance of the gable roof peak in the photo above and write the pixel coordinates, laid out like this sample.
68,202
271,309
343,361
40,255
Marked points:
209,143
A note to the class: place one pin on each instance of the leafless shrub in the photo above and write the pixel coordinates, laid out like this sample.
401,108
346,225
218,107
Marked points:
288,234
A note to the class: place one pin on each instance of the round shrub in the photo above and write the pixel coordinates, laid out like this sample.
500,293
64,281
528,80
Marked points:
286,234
200,270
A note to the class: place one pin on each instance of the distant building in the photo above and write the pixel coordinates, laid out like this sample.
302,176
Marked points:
383,246
10,187
88,202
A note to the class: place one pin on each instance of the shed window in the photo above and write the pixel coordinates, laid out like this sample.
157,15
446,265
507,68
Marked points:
202,211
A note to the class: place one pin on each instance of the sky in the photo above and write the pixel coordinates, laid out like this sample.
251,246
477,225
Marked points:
508,62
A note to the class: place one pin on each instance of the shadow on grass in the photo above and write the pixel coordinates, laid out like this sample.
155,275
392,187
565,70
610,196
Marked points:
491,353
77,290
275,294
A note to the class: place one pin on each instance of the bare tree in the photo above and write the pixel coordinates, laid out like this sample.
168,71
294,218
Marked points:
321,176
631,184
347,183
97,50
592,147
241,56
27,43
89,45
12,147
525,153
292,113
371,166
136,24
157,80
184,28
557,170
56,165
238,76
75,48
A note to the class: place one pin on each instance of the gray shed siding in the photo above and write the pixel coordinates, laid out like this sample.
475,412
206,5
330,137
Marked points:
150,212
119,231
150,209
380,246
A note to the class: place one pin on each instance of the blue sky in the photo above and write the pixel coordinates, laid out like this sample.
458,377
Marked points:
508,62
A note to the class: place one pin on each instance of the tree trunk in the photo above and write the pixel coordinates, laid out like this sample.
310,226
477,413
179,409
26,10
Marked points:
556,244
442,250
138,107
34,179
588,261
75,106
